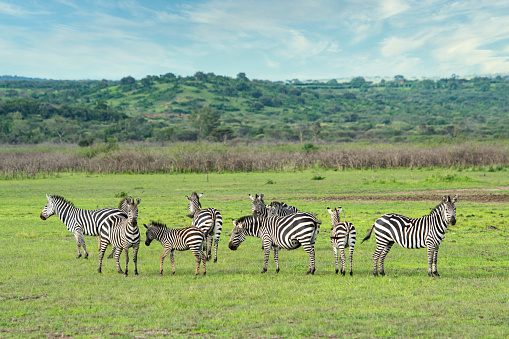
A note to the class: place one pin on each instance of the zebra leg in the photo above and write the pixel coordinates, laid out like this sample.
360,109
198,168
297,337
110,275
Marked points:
335,250
101,255
376,256
78,243
126,260
172,258
135,259
205,242
266,250
432,253
311,252
197,256
112,253
351,260
118,251
202,256
382,257
216,244
165,253
210,240
276,257
343,260
435,258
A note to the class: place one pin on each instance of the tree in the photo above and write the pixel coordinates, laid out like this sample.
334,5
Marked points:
128,80
205,120
242,76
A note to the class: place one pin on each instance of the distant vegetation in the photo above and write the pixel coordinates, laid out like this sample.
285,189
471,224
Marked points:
171,108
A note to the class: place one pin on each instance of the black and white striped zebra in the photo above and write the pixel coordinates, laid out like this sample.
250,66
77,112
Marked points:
427,231
79,221
276,208
287,232
180,239
122,235
208,220
342,235
124,206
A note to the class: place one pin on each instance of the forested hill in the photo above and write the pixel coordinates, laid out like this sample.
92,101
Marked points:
212,107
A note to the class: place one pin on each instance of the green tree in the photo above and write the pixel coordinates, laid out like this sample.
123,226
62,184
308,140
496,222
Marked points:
205,120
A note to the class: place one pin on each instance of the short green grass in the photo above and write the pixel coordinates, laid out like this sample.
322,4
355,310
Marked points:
45,291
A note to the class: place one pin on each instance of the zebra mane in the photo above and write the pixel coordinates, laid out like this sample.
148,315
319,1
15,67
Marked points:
122,202
246,218
61,198
436,208
158,224
195,196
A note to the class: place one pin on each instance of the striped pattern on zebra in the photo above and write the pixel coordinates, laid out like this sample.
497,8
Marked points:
342,235
124,206
427,231
287,232
122,235
280,209
79,221
208,220
180,239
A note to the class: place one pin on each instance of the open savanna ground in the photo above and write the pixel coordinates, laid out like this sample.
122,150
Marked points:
46,292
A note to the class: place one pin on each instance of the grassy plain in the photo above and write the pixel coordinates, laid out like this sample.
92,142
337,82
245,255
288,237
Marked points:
45,291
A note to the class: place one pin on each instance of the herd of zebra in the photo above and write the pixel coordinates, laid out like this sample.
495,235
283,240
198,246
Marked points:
278,225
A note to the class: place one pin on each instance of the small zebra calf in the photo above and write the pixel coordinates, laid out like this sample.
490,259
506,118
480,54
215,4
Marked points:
122,235
180,239
342,235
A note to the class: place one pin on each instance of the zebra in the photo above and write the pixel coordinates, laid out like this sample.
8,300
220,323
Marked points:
79,221
208,220
124,206
287,232
274,209
122,236
179,239
343,235
427,231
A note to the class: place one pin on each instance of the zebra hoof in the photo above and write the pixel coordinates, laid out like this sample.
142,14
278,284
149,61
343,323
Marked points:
215,260
78,256
382,273
337,271
351,273
343,273
136,274
277,270
264,270
375,274
436,274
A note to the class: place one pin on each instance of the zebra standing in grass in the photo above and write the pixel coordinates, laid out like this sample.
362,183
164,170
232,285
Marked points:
288,232
122,236
79,221
427,231
180,239
342,235
124,206
208,220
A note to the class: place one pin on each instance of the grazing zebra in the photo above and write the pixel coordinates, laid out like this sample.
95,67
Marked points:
79,221
342,235
288,232
180,239
208,220
427,231
122,236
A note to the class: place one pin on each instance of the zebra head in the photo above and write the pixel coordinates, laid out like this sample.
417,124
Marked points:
151,233
258,206
238,234
49,208
123,205
132,211
449,210
335,216
194,204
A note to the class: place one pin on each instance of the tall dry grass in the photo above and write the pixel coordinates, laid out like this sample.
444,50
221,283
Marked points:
182,158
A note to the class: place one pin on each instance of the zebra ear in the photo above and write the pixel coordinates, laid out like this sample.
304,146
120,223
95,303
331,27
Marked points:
340,209
199,196
138,201
188,198
261,196
145,226
252,198
329,210
455,198
234,222
48,197
445,199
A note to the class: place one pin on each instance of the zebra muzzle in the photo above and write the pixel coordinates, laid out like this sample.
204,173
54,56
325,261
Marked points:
232,246
453,221
43,217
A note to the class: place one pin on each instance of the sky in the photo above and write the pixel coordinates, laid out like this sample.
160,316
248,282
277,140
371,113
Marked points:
265,39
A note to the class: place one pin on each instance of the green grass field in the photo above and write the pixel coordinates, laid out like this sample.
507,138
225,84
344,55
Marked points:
46,292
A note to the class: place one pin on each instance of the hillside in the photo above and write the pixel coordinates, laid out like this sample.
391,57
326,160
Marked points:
212,107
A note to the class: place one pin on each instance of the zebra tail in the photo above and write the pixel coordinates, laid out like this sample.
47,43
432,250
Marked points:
369,234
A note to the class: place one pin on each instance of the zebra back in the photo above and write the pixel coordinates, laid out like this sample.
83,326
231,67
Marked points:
90,221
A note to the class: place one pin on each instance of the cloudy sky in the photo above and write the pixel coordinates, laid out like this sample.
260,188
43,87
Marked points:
273,40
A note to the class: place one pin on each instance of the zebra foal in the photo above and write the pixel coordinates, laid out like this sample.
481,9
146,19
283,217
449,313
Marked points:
427,231
287,232
208,220
343,235
180,239
122,235
80,221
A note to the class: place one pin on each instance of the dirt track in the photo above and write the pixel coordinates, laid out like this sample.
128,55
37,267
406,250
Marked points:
475,195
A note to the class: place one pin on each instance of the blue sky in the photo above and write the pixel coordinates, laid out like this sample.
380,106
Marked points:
272,40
